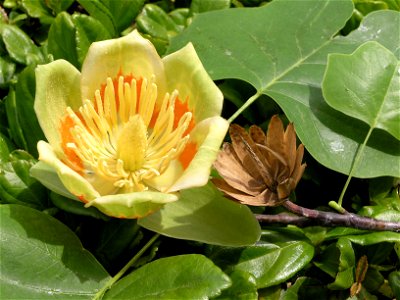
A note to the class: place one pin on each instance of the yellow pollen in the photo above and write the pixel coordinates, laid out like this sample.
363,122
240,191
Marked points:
113,138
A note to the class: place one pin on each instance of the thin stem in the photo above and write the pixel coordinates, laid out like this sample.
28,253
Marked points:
99,295
244,106
354,165
336,219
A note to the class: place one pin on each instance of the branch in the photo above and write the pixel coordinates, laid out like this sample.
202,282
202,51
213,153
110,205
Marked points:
306,217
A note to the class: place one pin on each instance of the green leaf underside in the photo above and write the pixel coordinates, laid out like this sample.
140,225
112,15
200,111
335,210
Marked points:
42,259
283,54
202,214
189,276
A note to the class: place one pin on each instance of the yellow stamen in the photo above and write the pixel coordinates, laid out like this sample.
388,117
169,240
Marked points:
113,139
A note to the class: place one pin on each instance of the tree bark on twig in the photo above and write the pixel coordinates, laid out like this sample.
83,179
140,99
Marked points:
307,217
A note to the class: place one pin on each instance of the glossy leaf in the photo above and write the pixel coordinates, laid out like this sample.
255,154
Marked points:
365,85
292,292
116,241
88,30
394,281
363,237
123,12
189,276
25,97
201,6
344,277
269,263
202,214
7,70
283,54
98,10
18,187
38,9
43,259
276,264
5,148
375,238
16,133
19,46
243,287
59,5
61,41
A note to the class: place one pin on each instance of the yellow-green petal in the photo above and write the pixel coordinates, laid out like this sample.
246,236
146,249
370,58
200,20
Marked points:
185,72
208,135
128,55
57,87
73,182
132,205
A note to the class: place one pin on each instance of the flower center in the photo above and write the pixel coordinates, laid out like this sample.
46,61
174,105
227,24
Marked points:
124,136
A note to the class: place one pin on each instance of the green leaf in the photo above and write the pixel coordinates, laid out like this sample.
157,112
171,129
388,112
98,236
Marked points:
292,292
98,10
38,9
280,235
190,276
363,237
7,70
123,12
43,259
59,5
381,212
5,148
25,98
394,281
18,187
14,129
88,30
379,188
19,46
328,260
276,264
373,280
201,6
283,54
365,85
374,238
157,26
61,41
344,277
115,242
202,214
243,287
269,263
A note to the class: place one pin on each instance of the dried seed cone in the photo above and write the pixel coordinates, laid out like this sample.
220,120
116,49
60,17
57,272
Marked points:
260,169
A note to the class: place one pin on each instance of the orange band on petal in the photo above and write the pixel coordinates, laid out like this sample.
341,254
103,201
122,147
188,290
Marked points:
187,154
66,137
82,198
180,109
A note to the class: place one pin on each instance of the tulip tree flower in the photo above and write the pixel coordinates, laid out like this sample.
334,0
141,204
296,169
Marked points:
132,129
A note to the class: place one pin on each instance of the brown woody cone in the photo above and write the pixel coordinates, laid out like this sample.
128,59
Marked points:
259,169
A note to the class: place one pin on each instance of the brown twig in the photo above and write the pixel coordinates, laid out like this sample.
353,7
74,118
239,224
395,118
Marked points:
306,217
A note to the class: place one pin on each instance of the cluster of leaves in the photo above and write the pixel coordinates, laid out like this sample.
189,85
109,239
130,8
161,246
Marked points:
294,58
